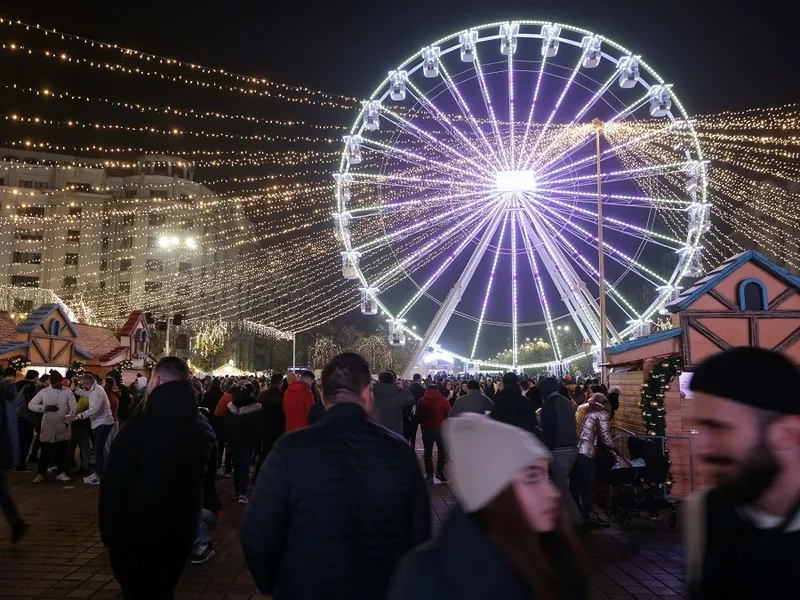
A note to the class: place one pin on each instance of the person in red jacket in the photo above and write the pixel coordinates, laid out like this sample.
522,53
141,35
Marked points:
433,409
297,401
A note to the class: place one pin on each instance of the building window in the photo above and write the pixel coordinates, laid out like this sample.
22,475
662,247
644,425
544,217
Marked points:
154,265
184,267
25,183
24,281
125,287
79,187
130,193
141,337
182,342
75,211
105,243
152,242
159,194
126,243
753,295
102,285
152,286
23,306
106,221
187,224
128,220
70,281
74,236
125,264
27,258
28,234
30,211
55,327
71,260
156,220
186,197
103,266
41,185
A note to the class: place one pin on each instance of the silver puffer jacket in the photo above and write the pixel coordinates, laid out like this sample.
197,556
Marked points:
596,428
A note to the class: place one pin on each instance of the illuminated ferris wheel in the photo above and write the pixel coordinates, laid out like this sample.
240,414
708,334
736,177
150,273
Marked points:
467,193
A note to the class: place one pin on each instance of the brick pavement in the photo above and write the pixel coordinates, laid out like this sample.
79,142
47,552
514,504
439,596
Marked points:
62,556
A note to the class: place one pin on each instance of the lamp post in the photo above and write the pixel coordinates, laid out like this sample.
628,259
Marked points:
598,129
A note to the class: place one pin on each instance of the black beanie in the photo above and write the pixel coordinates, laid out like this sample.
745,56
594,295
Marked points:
752,376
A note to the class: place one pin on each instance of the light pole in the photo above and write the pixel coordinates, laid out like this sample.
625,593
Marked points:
598,129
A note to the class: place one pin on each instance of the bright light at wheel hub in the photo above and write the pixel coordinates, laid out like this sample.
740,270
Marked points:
515,181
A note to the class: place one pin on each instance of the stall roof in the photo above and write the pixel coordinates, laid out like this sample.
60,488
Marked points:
645,340
712,278
40,314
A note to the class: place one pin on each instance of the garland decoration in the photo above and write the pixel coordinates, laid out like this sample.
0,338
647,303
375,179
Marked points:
654,391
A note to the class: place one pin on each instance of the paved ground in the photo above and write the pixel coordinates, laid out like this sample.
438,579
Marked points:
62,557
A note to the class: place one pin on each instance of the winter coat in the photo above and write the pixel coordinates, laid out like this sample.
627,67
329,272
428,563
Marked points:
390,402
212,398
297,401
274,419
535,397
433,409
54,428
334,509
162,466
558,417
9,442
596,428
511,407
473,402
463,564
244,423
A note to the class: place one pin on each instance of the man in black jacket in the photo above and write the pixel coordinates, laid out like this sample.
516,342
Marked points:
160,467
560,435
337,504
410,421
271,399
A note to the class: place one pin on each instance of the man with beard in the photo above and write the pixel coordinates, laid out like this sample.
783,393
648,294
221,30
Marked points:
744,534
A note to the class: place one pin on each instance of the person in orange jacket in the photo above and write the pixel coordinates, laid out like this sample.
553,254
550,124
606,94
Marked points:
432,410
297,401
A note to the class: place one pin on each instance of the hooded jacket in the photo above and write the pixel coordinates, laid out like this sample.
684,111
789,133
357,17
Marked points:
297,401
9,442
390,403
558,417
162,465
274,419
433,409
244,421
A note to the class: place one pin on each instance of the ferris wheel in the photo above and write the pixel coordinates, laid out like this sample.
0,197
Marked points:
467,194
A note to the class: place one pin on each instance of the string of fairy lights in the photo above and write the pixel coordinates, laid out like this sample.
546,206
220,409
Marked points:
255,241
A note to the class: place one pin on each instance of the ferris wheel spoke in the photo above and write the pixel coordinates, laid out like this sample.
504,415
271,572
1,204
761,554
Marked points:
467,113
588,237
487,101
492,220
591,160
590,198
427,248
514,312
400,205
624,175
445,121
612,223
547,124
533,106
422,161
628,110
432,141
489,286
453,212
422,183
512,124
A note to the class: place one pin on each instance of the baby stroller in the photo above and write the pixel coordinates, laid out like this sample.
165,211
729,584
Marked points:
638,482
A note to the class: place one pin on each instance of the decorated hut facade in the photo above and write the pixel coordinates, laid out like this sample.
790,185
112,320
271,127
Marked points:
746,301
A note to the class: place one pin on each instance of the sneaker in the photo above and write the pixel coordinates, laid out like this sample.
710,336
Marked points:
18,530
38,479
62,477
442,477
88,477
203,554
92,480
52,469
242,499
221,472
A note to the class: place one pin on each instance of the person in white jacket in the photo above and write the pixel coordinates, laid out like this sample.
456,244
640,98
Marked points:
99,413
57,403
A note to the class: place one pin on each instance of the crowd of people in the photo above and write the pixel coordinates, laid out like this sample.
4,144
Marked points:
336,504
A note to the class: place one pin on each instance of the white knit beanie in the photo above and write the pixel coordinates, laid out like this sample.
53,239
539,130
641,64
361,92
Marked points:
486,456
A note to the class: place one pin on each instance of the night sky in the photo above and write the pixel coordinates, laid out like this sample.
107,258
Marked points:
719,58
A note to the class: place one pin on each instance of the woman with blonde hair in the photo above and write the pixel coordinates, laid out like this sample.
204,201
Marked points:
509,537
595,430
